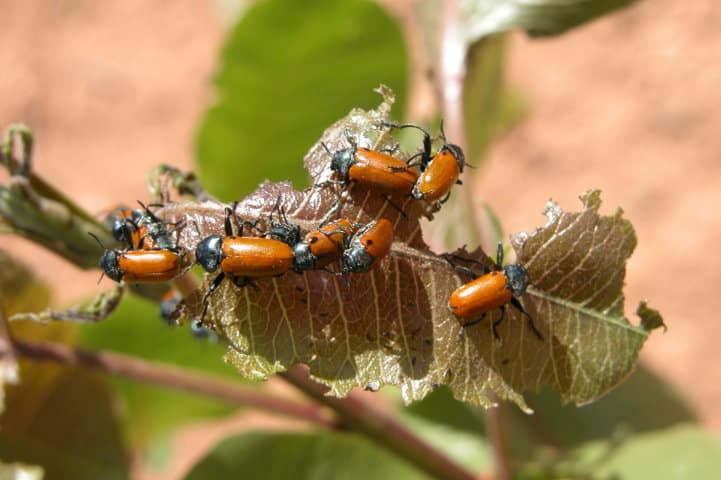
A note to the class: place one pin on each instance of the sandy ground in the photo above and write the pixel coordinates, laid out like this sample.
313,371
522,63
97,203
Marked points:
627,104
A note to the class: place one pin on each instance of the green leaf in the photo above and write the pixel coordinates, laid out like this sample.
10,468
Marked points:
64,419
18,471
625,409
468,449
286,72
392,325
90,311
137,329
678,453
540,17
315,456
440,407
19,291
33,208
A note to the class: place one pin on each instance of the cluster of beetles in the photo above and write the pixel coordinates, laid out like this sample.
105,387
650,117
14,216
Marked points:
152,253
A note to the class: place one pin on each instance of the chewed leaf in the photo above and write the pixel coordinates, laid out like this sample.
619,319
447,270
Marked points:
650,317
577,264
392,326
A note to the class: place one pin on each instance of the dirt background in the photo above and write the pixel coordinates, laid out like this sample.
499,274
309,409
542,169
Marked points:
628,104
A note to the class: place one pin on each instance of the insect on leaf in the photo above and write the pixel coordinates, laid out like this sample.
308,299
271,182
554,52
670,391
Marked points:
392,326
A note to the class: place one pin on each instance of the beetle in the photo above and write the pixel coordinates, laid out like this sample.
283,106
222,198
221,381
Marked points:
141,266
472,301
121,222
140,229
318,248
368,245
377,171
439,172
324,246
283,230
241,259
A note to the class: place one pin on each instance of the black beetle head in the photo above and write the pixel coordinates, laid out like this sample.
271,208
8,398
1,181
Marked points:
303,259
109,264
357,259
517,278
209,253
288,233
342,161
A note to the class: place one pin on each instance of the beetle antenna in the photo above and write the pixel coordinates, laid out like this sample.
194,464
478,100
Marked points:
98,240
148,211
499,256
326,149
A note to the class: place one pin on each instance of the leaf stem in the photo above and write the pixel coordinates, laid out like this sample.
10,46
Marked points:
173,377
381,427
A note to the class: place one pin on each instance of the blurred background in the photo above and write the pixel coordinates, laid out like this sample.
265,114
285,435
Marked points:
627,104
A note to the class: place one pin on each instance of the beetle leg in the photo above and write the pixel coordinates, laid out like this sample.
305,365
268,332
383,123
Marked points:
392,204
445,199
251,225
497,322
450,257
213,286
474,322
519,307
332,211
332,272
141,242
228,226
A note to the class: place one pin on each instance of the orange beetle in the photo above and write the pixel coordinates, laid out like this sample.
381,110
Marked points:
324,246
368,245
140,229
241,258
122,225
141,266
472,301
374,170
438,172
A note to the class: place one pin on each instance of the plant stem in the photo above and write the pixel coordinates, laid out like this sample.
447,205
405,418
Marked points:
172,377
452,73
381,427
451,78
496,433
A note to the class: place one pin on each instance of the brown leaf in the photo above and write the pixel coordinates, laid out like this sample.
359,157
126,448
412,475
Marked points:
392,326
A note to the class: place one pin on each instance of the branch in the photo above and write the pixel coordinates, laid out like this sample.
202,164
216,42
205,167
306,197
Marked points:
173,377
381,427
496,433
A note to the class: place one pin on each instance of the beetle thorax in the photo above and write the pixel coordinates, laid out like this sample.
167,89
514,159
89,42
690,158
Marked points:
517,278
342,161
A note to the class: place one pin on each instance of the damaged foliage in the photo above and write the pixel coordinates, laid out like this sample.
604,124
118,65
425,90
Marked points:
392,325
